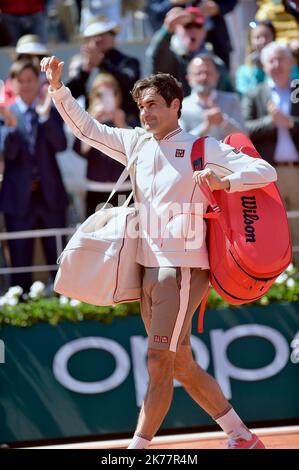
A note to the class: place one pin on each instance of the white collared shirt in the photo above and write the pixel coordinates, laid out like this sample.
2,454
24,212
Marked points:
23,107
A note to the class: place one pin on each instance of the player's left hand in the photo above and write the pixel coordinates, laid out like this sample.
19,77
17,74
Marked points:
211,179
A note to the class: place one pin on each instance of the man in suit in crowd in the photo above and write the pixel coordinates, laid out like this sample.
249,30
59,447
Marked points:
271,112
207,110
32,194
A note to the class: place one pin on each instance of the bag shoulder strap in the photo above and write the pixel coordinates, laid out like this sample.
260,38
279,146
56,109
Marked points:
198,163
131,167
124,175
198,154
136,147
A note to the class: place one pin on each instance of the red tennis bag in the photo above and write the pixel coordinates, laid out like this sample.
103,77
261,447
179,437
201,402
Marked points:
248,234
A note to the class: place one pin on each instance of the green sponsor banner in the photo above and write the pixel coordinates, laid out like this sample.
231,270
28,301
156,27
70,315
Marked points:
80,379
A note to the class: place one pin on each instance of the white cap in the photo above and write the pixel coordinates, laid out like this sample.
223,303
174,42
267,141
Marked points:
31,44
99,25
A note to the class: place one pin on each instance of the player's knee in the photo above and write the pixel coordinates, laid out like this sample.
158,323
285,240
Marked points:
160,364
182,373
183,367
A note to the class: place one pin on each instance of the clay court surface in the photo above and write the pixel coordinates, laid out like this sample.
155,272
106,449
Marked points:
286,437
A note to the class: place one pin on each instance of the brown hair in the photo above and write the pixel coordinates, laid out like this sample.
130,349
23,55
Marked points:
249,48
164,84
20,65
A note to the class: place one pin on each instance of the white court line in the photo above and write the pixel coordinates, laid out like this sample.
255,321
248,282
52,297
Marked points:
113,444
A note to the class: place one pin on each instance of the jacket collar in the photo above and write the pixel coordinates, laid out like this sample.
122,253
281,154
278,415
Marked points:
172,134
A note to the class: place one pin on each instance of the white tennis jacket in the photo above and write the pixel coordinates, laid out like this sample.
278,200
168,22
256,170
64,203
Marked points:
165,192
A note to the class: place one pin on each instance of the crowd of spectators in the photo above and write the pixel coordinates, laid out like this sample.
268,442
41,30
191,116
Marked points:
191,41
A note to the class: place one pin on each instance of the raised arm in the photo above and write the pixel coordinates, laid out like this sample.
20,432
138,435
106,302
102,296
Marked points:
111,141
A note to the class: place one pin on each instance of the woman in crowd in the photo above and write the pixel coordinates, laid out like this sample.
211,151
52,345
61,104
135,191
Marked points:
251,73
105,104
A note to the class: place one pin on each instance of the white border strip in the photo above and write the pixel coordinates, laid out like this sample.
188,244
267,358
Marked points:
184,301
121,443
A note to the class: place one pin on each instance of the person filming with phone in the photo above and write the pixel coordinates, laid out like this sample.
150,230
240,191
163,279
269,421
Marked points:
105,105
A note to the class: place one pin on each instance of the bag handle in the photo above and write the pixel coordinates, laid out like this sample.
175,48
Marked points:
198,163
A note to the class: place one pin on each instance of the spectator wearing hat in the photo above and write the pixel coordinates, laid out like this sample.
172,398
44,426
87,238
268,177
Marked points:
208,111
28,47
213,11
32,193
90,8
24,17
99,52
182,37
